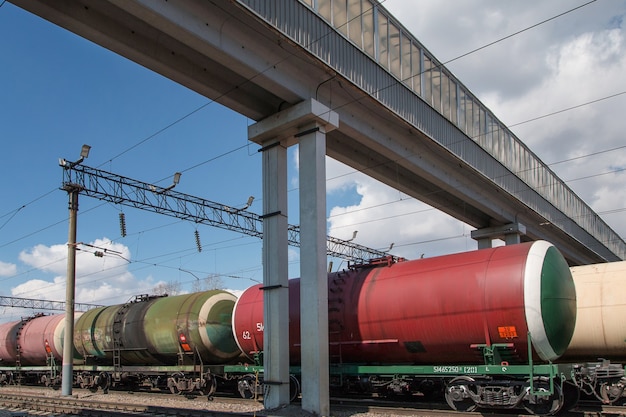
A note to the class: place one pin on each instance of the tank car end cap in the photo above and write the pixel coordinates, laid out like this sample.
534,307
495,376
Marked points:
550,300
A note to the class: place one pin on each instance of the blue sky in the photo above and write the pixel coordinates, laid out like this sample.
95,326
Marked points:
59,91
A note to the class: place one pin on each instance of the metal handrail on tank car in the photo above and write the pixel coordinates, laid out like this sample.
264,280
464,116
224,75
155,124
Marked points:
374,262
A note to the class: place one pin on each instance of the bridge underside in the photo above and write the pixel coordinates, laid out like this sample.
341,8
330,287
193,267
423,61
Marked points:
224,52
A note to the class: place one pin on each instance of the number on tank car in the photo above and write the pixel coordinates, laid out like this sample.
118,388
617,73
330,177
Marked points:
259,327
446,369
470,369
246,335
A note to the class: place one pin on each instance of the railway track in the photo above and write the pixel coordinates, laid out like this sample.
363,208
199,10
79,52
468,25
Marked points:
35,404
41,402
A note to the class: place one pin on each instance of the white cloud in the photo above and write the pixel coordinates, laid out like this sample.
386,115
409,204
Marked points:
100,280
573,59
384,216
7,269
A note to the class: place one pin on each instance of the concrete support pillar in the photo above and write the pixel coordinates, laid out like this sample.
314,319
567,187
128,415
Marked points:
512,238
313,278
275,276
307,123
484,243
511,234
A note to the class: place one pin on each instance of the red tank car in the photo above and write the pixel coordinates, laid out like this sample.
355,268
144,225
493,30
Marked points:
33,340
42,337
433,310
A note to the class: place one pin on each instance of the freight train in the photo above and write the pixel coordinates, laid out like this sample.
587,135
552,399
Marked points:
154,342
487,326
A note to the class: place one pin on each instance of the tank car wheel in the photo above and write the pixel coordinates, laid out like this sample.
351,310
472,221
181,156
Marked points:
459,395
609,393
172,382
102,380
571,395
210,388
247,386
294,388
543,405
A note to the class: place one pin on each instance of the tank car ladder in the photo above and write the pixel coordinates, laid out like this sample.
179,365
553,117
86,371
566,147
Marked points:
335,322
18,347
117,340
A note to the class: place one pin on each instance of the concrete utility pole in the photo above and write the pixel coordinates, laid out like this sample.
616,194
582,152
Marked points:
67,370
70,286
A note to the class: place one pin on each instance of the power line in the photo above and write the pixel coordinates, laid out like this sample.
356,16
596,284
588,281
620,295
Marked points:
568,108
518,32
225,94
182,118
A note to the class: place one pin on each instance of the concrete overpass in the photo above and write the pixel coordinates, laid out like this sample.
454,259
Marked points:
260,57
345,79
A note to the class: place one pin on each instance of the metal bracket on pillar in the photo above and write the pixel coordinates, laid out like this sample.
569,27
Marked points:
272,214
306,132
510,233
272,287
270,146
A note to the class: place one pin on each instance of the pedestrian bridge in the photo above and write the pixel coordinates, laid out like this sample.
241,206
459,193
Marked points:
404,119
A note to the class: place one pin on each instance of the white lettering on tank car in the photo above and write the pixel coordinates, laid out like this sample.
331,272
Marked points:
445,369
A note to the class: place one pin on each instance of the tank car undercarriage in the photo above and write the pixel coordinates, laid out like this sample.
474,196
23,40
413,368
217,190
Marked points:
540,389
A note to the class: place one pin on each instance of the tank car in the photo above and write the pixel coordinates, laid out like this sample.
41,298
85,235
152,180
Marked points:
510,305
155,331
174,343
600,332
434,310
30,343
132,343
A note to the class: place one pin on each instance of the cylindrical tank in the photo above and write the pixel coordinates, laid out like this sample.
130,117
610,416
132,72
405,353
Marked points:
43,336
154,331
8,341
432,310
600,330
38,337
